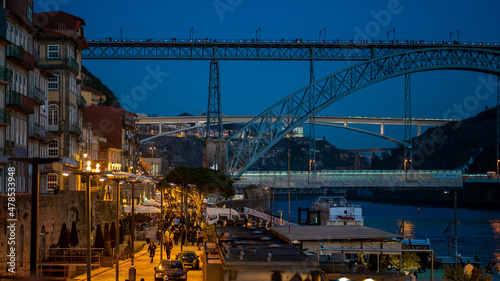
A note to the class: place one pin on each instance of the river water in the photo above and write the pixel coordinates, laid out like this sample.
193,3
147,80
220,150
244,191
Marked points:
478,231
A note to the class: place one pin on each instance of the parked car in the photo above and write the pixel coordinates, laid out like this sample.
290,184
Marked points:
189,259
170,270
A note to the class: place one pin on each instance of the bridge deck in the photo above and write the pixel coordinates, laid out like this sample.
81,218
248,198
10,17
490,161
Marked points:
356,179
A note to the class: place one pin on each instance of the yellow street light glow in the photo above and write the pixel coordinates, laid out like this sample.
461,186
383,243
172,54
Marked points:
65,174
85,155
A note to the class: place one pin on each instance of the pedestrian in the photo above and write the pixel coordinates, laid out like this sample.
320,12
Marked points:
151,250
199,238
176,236
168,247
413,276
468,269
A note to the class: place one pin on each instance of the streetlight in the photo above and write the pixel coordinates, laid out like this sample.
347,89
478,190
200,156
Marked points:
152,148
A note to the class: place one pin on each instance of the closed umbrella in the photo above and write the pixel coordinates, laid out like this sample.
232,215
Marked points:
63,237
73,237
107,237
121,234
99,240
112,233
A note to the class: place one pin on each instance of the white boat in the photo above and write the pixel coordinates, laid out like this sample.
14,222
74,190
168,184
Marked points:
335,210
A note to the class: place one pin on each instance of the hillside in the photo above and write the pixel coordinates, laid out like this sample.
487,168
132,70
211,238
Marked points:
91,81
468,145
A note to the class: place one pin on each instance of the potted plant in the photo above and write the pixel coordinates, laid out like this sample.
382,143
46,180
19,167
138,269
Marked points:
107,258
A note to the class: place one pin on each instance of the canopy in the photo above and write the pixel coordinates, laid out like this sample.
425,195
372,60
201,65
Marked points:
152,203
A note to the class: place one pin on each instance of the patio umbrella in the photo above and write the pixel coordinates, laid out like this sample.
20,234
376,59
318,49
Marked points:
63,237
149,210
99,240
107,237
73,237
112,233
152,203
121,234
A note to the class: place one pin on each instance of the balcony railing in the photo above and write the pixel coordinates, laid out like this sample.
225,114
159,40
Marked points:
81,102
21,55
15,51
74,65
5,116
75,129
8,149
5,74
60,63
37,131
38,95
20,101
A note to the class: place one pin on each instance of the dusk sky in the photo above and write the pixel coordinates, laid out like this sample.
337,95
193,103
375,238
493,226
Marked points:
250,87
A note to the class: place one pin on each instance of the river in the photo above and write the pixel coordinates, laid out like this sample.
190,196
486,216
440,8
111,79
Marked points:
478,231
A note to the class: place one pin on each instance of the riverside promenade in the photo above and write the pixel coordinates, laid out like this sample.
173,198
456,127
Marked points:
142,262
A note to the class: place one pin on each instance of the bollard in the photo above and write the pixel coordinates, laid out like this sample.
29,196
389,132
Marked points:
131,273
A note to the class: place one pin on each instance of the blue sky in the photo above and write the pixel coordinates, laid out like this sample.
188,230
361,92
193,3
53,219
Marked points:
249,87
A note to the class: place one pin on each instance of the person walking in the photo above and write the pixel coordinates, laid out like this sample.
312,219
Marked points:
168,247
151,250
468,269
413,276
199,238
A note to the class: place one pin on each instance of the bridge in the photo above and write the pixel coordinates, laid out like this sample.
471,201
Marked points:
364,179
345,121
379,61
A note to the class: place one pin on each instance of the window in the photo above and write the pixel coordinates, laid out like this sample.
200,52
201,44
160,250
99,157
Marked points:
54,82
53,115
54,148
51,181
53,52
29,13
8,32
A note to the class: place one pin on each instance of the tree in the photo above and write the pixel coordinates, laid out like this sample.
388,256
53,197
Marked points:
457,273
200,182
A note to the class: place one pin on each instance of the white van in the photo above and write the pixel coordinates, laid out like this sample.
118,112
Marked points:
213,214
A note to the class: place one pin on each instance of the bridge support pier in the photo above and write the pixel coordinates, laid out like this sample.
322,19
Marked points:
214,154
312,120
408,152
214,111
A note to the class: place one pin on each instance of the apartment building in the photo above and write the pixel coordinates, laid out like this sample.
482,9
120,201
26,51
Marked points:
60,47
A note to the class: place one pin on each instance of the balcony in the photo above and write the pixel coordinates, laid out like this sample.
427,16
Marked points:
36,131
4,117
8,149
20,102
60,63
81,102
38,95
5,74
21,55
74,65
75,129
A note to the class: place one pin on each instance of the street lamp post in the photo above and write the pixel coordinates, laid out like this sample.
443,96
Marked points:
152,148
89,212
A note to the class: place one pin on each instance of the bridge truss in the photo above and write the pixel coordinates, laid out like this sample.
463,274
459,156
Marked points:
265,130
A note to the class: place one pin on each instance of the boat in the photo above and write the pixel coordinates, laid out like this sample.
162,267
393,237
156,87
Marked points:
335,210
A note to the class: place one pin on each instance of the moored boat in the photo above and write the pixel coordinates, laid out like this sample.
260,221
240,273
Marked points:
335,210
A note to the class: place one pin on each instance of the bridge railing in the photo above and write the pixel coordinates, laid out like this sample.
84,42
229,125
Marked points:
290,41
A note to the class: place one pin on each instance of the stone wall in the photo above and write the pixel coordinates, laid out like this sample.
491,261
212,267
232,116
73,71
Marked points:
54,210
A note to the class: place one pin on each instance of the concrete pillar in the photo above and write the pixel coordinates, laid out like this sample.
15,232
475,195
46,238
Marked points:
214,153
381,128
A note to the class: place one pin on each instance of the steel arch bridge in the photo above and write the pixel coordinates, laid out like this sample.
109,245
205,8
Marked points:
266,129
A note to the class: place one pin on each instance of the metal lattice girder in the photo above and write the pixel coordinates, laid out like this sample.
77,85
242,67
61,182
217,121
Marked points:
214,112
266,129
160,49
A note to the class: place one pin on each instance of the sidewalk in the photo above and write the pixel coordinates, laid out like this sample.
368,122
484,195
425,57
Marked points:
144,267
